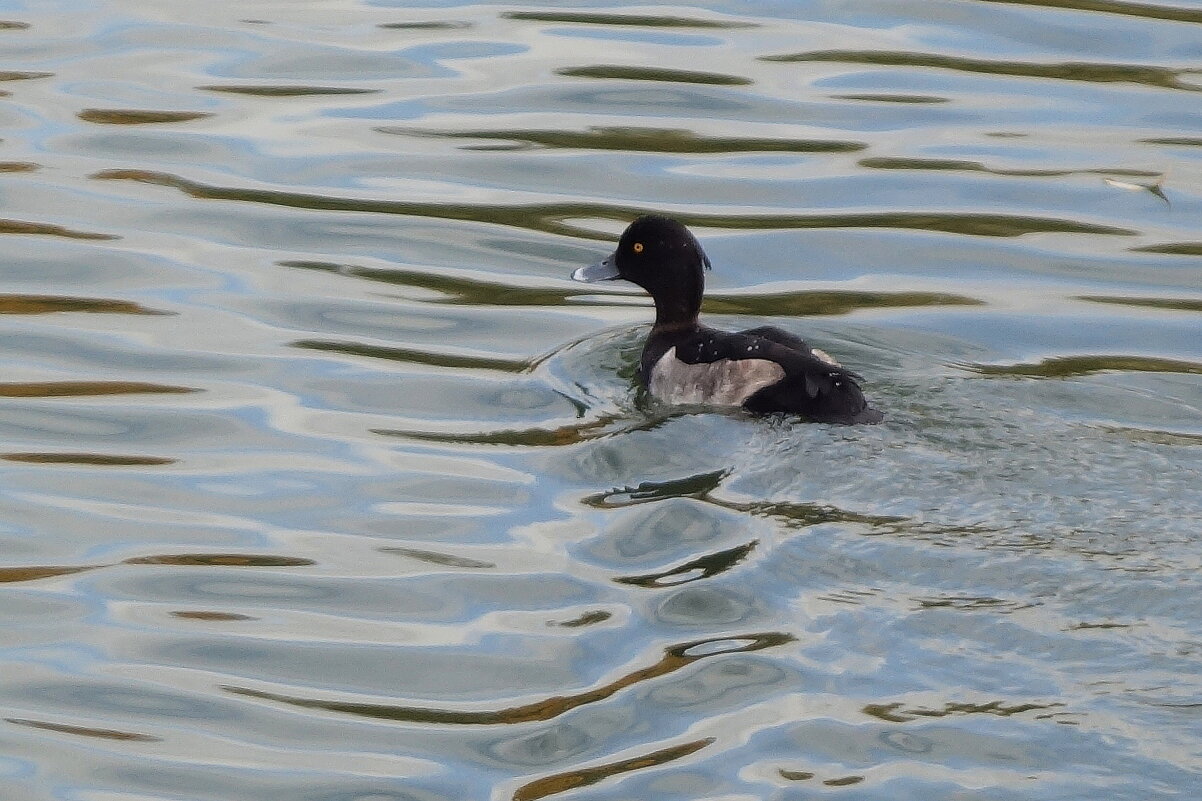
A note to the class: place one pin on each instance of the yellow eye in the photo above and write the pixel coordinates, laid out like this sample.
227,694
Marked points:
638,247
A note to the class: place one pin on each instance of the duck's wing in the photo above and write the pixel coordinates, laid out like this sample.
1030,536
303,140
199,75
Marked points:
813,385
815,389
794,342
778,335
759,372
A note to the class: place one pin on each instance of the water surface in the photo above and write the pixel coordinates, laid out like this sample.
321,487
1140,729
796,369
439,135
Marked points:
321,481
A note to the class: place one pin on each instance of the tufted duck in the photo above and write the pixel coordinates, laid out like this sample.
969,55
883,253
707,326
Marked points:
761,369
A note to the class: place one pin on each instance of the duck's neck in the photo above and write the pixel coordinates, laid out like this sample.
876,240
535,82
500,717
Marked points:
679,310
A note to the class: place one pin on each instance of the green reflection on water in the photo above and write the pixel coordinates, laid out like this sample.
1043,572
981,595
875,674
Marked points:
1163,77
583,777
18,75
97,459
128,116
553,217
1183,141
879,98
1175,304
48,304
1173,249
783,304
637,20
71,389
286,91
473,292
674,658
645,140
411,356
48,229
1145,10
1071,366
434,25
892,163
620,72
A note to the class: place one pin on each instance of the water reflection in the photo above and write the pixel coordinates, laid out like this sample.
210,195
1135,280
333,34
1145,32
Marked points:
49,304
675,658
1144,75
637,20
634,139
321,481
557,217
127,116
49,229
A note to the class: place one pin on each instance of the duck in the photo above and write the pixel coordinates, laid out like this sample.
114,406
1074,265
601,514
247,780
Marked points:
763,370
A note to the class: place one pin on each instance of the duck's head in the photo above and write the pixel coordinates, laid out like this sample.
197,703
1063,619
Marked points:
660,255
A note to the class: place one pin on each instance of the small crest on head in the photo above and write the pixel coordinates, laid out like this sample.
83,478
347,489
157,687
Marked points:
661,238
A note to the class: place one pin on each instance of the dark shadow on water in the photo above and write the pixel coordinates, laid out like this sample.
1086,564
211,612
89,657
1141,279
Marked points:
411,356
221,560
211,617
640,140
1175,438
970,603
888,163
1169,304
437,558
1172,249
17,75
674,658
49,229
475,292
425,26
1074,366
83,731
73,389
698,486
636,20
49,304
555,218
125,116
603,426
1174,141
1145,10
877,98
702,567
285,91
97,459
12,575
587,619
1143,75
583,777
702,486
813,514
624,73
454,290
819,302
898,712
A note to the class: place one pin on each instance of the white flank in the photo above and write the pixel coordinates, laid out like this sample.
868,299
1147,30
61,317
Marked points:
726,382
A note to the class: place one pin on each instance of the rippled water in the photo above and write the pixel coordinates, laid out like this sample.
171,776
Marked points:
321,482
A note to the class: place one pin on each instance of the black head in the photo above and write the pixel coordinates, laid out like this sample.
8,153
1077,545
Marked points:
660,255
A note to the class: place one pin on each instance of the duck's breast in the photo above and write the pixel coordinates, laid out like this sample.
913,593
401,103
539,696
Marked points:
723,382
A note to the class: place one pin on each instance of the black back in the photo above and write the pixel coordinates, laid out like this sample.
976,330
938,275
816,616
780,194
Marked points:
811,387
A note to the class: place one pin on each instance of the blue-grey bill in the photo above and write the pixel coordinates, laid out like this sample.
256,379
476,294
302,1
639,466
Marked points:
605,270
